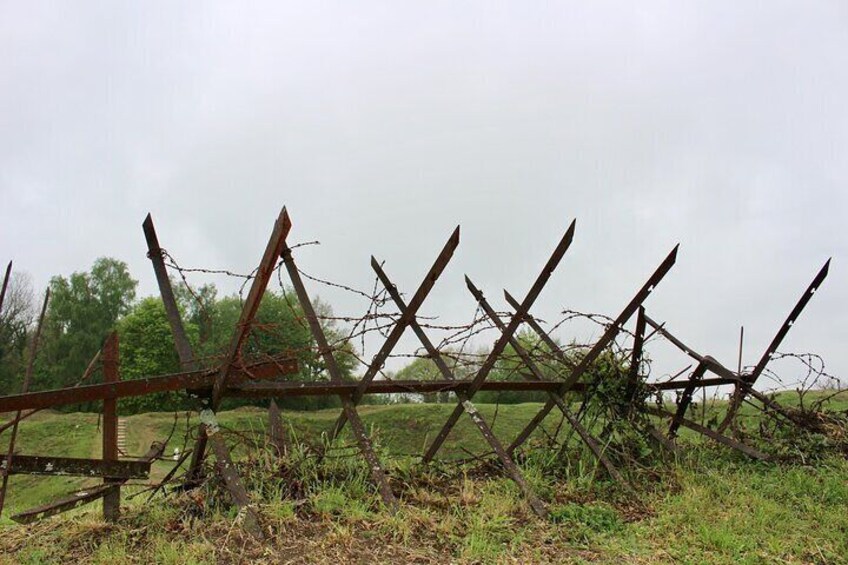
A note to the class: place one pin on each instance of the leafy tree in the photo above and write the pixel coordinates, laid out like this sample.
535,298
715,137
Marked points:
83,309
15,325
197,306
146,349
279,328
424,369
462,365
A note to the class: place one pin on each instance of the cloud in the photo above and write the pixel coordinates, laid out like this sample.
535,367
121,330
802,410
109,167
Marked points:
381,127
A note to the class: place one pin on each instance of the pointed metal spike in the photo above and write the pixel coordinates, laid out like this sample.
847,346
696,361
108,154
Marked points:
5,283
826,268
478,294
284,214
501,343
739,393
673,255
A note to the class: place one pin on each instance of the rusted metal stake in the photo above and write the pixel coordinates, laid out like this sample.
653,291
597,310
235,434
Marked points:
600,345
739,393
636,355
5,284
407,316
111,374
33,351
276,430
741,341
508,464
593,444
686,398
181,343
712,434
502,341
155,254
208,427
378,475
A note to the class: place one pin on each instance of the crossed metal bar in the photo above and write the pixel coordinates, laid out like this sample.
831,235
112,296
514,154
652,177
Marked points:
502,341
508,464
211,400
610,334
636,354
27,380
576,387
109,439
378,475
743,383
686,397
590,441
633,381
739,393
696,380
406,318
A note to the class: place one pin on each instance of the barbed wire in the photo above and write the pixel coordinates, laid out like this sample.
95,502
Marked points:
457,343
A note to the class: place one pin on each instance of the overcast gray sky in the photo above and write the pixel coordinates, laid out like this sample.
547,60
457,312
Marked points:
719,125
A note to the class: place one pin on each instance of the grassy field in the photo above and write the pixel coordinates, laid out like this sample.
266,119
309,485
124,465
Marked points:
708,505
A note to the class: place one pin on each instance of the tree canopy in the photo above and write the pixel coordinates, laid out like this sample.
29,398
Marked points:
83,309
15,321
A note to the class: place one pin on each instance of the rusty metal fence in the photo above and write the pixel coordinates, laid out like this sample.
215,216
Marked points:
239,375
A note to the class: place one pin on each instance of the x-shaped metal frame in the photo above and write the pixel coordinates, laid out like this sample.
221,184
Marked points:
509,465
407,317
749,380
677,418
210,401
503,340
744,383
33,350
634,362
593,444
378,475
610,334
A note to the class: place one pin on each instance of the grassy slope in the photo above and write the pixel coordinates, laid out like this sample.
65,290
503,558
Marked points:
711,506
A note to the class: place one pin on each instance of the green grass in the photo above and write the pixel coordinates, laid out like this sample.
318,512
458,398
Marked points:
709,506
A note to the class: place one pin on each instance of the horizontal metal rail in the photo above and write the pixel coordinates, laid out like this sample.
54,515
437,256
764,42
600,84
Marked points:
70,502
267,389
83,496
140,387
280,389
64,466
